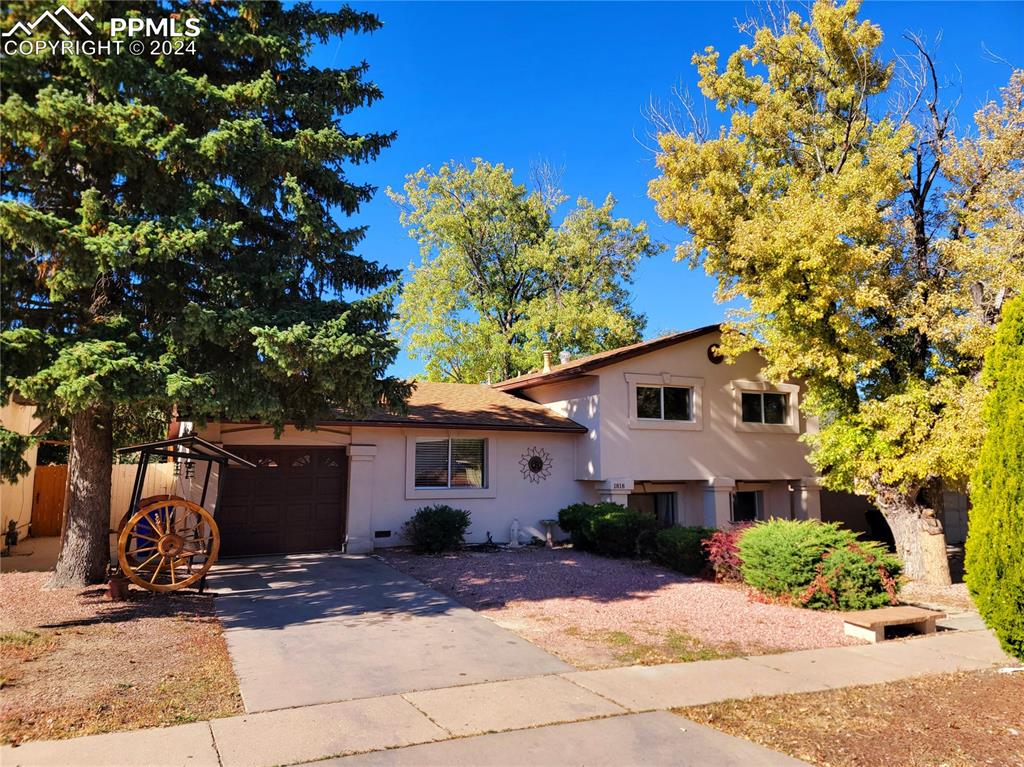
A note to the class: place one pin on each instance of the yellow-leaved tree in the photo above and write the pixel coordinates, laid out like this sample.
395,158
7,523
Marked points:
872,248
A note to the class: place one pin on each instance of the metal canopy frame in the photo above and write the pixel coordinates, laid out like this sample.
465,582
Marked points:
191,448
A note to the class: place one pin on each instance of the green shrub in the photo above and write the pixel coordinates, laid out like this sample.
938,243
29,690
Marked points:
995,533
572,518
617,531
682,549
817,565
434,529
860,575
780,557
607,528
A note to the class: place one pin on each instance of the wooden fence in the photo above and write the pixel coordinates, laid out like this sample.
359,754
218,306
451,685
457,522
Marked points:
49,488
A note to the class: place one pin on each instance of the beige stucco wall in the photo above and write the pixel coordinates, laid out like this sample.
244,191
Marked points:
16,497
381,497
616,449
578,400
509,494
256,434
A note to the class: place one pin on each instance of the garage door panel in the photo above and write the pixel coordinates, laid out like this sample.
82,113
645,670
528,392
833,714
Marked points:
231,515
325,514
263,514
329,487
254,544
295,503
308,487
267,481
327,459
301,461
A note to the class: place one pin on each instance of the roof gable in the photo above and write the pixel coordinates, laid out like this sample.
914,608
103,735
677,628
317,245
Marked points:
584,365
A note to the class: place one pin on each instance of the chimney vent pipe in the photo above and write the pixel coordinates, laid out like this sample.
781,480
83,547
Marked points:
547,361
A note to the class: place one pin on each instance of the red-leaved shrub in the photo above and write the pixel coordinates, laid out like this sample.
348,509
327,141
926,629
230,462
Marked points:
724,553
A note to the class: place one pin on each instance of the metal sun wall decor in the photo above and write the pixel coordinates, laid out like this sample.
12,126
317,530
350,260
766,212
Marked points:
535,464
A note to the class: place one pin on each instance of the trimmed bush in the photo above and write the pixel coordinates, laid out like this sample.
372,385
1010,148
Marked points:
572,519
780,557
995,533
682,549
607,528
858,576
434,529
617,531
818,565
723,553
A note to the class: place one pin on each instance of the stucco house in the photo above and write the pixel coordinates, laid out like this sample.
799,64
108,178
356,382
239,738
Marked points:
663,425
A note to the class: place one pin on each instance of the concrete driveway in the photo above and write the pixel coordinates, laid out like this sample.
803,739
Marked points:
317,628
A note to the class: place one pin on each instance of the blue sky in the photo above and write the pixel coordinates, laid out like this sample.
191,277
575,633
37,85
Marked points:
569,82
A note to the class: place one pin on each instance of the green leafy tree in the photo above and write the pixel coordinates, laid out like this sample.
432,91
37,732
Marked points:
994,557
171,234
871,247
499,282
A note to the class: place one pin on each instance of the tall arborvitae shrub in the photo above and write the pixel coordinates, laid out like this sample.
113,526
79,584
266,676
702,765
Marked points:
995,538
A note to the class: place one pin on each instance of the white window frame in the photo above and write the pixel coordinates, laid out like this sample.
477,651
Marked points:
792,392
412,492
696,387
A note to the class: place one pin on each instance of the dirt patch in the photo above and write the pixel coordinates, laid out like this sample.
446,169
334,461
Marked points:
950,598
73,663
954,720
595,612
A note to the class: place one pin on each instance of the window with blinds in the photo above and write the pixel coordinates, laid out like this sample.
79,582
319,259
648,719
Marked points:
451,463
432,463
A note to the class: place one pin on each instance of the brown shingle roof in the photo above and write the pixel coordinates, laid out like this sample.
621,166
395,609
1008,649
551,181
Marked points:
470,406
584,365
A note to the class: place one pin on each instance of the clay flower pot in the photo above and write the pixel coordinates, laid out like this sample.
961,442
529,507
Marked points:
118,588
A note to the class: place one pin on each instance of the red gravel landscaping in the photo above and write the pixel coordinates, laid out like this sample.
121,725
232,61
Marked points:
595,612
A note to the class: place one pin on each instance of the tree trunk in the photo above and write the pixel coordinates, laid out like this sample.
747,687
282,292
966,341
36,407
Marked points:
85,548
919,537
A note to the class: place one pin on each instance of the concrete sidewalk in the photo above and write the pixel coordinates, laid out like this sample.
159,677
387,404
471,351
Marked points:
540,711
650,688
656,739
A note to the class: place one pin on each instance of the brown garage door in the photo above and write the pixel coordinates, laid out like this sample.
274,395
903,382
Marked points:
294,501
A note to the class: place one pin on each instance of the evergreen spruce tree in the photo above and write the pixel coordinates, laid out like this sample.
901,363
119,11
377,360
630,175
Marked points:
170,235
995,537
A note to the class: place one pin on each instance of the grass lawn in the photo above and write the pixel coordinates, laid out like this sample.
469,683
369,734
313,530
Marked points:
954,720
595,612
74,663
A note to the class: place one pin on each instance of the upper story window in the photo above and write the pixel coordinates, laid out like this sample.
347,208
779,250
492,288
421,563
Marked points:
760,406
764,407
664,403
451,463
